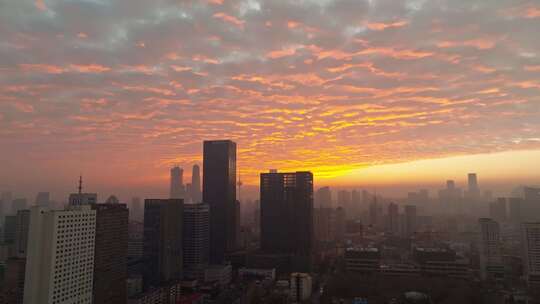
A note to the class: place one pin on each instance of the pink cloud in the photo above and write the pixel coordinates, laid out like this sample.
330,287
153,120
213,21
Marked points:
380,26
230,19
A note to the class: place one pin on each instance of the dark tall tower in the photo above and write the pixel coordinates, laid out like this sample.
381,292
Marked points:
219,191
196,184
110,253
196,242
177,183
287,213
163,240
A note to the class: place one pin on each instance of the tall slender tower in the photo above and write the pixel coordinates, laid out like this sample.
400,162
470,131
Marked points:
177,183
219,191
196,184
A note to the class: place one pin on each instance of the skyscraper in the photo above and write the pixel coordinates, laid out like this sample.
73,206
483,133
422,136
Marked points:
410,220
177,189
43,199
530,234
287,213
163,240
497,210
5,204
393,219
110,253
81,198
196,194
60,259
515,209
491,266
219,191
323,198
22,226
196,240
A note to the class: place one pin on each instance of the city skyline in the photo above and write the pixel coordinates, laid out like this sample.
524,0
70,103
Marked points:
299,86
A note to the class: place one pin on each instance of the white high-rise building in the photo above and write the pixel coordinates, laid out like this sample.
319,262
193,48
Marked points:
301,286
530,233
60,257
491,265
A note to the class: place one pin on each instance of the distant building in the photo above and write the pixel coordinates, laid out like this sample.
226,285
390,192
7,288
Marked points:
43,199
163,224
344,200
196,193
76,199
219,191
301,287
393,219
323,198
450,198
60,259
531,203
530,234
220,274
515,213
135,240
177,189
365,260
13,287
196,240
491,266
18,204
287,214
410,220
110,253
22,226
497,210
473,191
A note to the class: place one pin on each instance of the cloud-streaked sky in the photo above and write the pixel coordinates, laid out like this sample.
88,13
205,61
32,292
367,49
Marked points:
120,90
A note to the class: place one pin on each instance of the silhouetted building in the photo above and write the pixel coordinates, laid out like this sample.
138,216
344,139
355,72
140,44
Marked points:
410,220
450,198
135,240
531,197
162,240
491,266
219,191
177,189
10,226
196,242
196,193
393,219
110,253
136,212
18,204
323,198
515,205
22,226
287,214
43,199
13,287
344,200
6,200
530,234
497,210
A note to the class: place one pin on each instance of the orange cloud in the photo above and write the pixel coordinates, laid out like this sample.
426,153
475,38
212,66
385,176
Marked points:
481,44
42,68
229,19
532,68
40,4
532,12
379,26
287,51
219,2
89,68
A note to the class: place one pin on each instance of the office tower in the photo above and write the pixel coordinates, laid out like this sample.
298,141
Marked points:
81,198
110,253
323,198
162,240
219,192
321,224
18,204
530,234
177,183
450,198
6,199
22,226
300,286
393,219
135,240
13,284
60,258
497,210
196,240
344,201
491,266
531,203
10,226
196,194
374,215
43,199
287,213
473,192
410,220
356,201
338,224
514,208
135,210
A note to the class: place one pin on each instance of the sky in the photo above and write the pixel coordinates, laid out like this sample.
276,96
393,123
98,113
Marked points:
357,91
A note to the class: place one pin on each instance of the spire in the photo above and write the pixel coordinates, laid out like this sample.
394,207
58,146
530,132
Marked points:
80,184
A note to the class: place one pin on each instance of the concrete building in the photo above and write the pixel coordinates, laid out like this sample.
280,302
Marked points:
110,253
411,220
365,260
497,210
14,278
177,188
135,240
515,205
219,191
392,225
300,287
163,224
43,199
60,258
196,193
196,240
323,198
22,226
489,245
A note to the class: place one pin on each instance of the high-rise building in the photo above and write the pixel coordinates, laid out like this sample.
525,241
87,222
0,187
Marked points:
344,200
530,234
515,209
497,210
43,199
450,198
300,286
531,203
5,203
393,219
136,212
110,253
82,199
287,213
18,204
10,226
219,192
177,189
60,258
410,220
13,287
163,240
473,191
135,240
323,198
196,193
22,226
356,201
491,265
196,242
